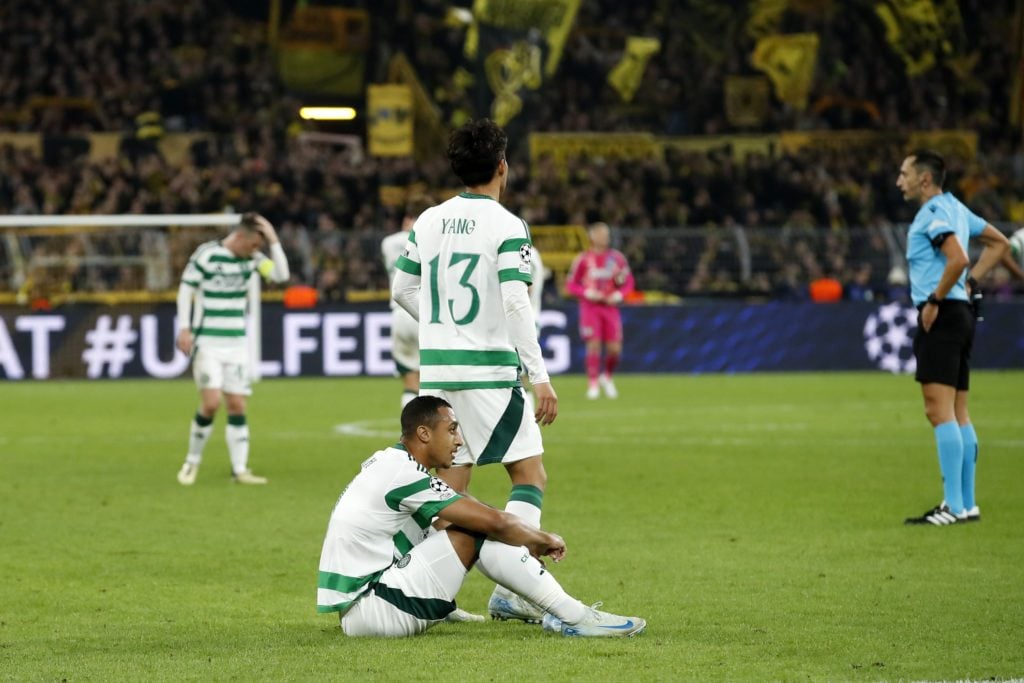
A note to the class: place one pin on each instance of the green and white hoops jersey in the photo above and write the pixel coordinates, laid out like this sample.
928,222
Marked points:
463,250
380,516
222,281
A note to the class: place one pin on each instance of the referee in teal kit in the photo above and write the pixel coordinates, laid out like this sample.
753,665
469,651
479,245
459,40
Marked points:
943,291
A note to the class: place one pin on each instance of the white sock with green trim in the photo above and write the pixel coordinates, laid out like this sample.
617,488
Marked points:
237,434
198,434
515,569
525,502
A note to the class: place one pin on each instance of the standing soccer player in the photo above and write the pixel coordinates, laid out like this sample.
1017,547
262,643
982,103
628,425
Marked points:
937,258
476,325
600,278
213,333
405,345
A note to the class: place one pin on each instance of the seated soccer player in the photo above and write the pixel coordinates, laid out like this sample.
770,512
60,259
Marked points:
388,571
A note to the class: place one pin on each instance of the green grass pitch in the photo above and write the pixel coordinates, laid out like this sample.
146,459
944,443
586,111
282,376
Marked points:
755,521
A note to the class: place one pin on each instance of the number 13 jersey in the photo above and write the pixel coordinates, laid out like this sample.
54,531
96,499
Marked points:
462,251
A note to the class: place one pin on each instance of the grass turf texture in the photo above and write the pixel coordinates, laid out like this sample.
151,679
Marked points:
755,521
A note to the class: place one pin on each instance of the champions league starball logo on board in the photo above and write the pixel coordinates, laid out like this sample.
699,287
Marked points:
889,338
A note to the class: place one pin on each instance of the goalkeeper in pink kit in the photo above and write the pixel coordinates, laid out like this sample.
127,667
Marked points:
600,278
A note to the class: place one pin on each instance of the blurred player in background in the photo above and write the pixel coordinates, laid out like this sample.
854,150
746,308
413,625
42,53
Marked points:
214,335
474,260
600,278
942,291
387,572
405,345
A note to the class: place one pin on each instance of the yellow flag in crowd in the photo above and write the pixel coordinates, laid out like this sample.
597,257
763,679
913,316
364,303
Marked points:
789,62
628,73
390,120
913,31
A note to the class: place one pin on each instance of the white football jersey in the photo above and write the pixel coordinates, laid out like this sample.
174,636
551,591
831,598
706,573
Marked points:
222,281
462,251
380,516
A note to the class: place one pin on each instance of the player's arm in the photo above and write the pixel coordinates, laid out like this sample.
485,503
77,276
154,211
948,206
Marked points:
522,329
624,282
956,263
276,267
574,282
996,250
190,281
405,287
472,515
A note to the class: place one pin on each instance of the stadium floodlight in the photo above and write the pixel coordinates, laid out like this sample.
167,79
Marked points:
327,113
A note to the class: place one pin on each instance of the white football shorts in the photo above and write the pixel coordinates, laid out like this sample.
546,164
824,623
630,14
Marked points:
224,368
405,341
412,595
497,425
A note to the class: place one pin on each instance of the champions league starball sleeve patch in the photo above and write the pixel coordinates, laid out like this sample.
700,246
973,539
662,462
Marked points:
442,489
525,258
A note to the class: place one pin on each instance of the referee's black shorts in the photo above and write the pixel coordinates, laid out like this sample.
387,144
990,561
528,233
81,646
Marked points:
944,353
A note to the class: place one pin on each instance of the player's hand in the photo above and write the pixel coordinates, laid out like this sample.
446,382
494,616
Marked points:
185,341
615,298
547,403
552,546
266,229
591,294
928,315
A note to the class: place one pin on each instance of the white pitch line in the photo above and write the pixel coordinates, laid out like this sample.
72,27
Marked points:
365,428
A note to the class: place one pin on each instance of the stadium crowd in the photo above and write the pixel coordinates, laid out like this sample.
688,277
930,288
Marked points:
805,215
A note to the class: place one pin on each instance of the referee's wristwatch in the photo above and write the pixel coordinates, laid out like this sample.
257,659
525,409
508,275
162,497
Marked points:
932,299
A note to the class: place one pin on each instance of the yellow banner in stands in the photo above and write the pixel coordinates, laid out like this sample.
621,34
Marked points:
390,120
789,62
629,72
913,31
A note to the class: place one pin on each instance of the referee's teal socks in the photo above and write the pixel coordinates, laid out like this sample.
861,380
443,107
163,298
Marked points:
950,443
970,439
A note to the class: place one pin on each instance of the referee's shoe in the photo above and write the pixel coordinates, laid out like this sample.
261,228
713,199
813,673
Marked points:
939,515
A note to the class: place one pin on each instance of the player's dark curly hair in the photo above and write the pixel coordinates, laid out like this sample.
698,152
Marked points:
422,410
931,161
248,222
475,149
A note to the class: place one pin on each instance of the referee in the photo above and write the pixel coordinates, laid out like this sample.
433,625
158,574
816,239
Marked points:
942,291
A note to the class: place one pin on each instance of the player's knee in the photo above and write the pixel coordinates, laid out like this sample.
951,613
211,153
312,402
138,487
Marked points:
235,404
466,544
529,471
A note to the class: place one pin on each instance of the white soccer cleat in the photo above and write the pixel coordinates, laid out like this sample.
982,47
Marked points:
187,474
593,392
596,624
459,615
974,514
247,477
505,605
609,386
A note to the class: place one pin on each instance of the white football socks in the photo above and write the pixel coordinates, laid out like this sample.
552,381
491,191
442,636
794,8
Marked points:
237,435
515,569
198,435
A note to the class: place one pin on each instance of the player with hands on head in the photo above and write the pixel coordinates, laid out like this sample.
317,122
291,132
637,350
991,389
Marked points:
213,333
